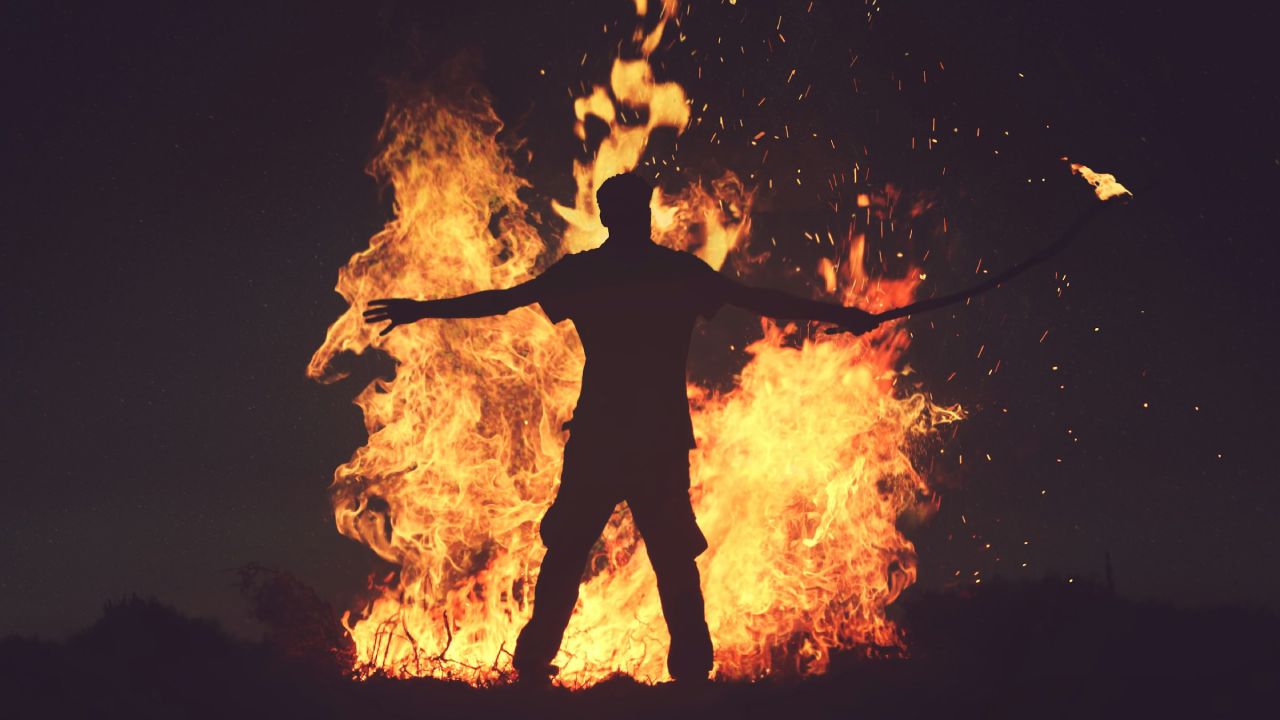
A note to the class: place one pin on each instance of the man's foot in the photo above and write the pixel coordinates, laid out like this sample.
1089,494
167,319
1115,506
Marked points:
537,676
692,679
691,657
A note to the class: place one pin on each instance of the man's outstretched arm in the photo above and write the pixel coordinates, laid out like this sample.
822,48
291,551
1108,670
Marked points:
784,306
402,311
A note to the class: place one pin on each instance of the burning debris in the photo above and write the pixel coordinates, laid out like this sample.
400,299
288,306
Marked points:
1104,185
803,466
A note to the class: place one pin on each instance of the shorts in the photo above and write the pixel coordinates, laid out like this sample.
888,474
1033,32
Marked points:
654,485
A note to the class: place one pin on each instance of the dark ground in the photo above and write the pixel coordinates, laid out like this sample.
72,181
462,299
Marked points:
1050,649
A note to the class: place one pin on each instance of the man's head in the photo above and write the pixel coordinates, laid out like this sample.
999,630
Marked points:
624,204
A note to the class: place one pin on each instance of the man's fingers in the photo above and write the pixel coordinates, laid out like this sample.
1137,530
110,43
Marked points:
387,329
382,301
376,317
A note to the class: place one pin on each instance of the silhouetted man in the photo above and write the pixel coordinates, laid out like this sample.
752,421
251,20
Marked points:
633,304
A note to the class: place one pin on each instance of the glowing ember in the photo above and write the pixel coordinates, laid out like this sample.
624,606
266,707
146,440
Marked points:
1104,185
803,467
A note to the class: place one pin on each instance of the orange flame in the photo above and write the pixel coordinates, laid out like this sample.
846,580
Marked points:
802,470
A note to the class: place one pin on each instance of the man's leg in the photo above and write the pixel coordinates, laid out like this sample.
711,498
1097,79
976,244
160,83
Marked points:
569,530
673,540
691,655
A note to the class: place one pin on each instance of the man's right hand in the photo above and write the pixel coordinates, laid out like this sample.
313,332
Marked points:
400,311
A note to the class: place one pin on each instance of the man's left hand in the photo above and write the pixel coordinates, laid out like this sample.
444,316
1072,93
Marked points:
857,321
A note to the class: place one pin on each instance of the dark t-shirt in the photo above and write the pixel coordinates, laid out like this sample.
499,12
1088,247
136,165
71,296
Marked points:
634,308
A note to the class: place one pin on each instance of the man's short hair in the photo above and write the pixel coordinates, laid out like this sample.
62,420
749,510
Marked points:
624,197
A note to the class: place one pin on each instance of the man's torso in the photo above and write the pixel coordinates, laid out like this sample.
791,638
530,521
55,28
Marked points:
634,309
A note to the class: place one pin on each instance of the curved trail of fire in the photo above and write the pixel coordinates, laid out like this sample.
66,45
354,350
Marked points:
1057,246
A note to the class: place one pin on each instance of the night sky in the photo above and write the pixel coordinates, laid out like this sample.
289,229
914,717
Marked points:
183,183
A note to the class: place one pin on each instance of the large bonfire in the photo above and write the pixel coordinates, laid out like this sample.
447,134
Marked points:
802,470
